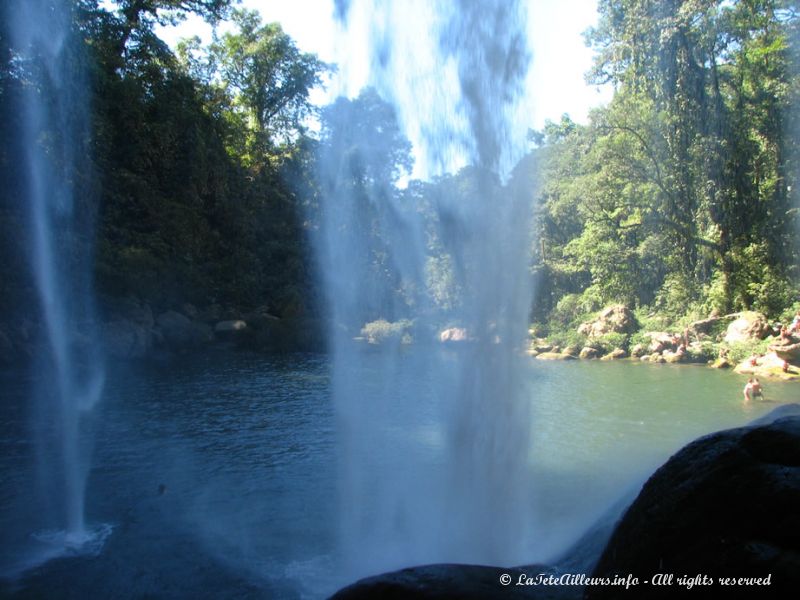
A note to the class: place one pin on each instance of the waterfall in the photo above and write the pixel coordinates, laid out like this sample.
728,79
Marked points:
434,446
52,153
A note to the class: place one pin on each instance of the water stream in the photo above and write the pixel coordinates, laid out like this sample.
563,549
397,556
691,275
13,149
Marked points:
69,375
453,79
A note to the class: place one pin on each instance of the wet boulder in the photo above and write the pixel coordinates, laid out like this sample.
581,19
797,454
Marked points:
588,353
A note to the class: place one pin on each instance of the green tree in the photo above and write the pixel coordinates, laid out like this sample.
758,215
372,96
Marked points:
268,78
717,79
184,216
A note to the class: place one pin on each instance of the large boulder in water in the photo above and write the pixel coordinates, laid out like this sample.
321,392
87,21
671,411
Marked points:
726,505
749,325
614,319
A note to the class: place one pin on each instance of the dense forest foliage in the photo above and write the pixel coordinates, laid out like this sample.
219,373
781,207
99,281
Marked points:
678,198
196,163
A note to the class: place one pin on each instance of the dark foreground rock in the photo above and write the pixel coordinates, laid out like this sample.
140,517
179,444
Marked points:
725,506
455,582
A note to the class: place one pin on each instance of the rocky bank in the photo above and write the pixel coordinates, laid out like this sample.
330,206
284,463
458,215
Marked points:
614,334
130,329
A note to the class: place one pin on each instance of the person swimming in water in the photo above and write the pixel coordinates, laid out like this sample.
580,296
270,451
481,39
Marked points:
753,389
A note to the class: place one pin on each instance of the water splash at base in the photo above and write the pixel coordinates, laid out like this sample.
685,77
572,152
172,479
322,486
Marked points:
53,544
